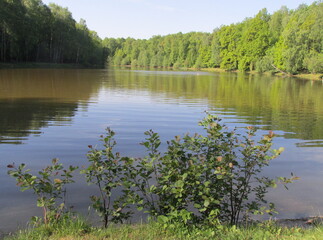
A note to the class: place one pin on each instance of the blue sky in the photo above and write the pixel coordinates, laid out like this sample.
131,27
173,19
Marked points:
145,18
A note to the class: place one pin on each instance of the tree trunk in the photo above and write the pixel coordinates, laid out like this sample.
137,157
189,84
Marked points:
279,70
51,47
77,55
3,43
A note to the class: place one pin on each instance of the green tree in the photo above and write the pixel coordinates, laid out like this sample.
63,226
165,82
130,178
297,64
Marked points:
32,31
301,37
229,36
254,40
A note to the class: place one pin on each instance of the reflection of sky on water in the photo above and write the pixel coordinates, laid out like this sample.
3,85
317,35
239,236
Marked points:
305,196
130,109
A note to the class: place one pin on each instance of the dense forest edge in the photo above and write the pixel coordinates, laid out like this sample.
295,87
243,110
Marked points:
31,31
285,42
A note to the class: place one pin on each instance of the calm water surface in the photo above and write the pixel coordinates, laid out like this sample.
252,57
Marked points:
46,113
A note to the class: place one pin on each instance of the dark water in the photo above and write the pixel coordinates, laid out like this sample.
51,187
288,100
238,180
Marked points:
57,113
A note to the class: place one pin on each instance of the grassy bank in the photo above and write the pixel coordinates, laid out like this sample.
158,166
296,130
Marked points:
78,229
318,76
308,76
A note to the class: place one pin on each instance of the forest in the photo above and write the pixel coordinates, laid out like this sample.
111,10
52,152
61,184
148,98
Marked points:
31,31
289,41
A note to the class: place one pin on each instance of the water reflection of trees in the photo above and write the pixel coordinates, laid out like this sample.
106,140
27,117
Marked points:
22,117
32,99
288,104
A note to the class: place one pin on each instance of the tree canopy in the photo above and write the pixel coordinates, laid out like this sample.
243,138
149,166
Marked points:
289,40
31,31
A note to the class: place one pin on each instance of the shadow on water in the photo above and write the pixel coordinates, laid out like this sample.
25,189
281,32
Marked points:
31,99
22,117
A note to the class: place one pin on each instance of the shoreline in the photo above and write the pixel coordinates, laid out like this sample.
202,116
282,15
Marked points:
307,76
6,65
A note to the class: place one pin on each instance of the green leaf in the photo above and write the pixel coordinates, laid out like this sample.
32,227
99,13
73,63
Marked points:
162,219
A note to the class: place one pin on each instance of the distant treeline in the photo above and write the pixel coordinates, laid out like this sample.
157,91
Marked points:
287,40
31,31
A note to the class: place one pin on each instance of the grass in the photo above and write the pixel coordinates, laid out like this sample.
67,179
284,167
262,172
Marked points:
78,229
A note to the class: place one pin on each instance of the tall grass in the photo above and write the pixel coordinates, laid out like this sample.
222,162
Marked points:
77,229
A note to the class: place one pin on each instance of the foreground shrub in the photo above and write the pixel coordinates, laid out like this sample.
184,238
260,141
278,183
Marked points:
106,170
48,186
210,179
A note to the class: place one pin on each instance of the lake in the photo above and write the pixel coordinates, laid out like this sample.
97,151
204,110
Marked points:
57,113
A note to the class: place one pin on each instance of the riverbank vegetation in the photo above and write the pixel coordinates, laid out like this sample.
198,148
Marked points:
200,182
287,41
78,229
